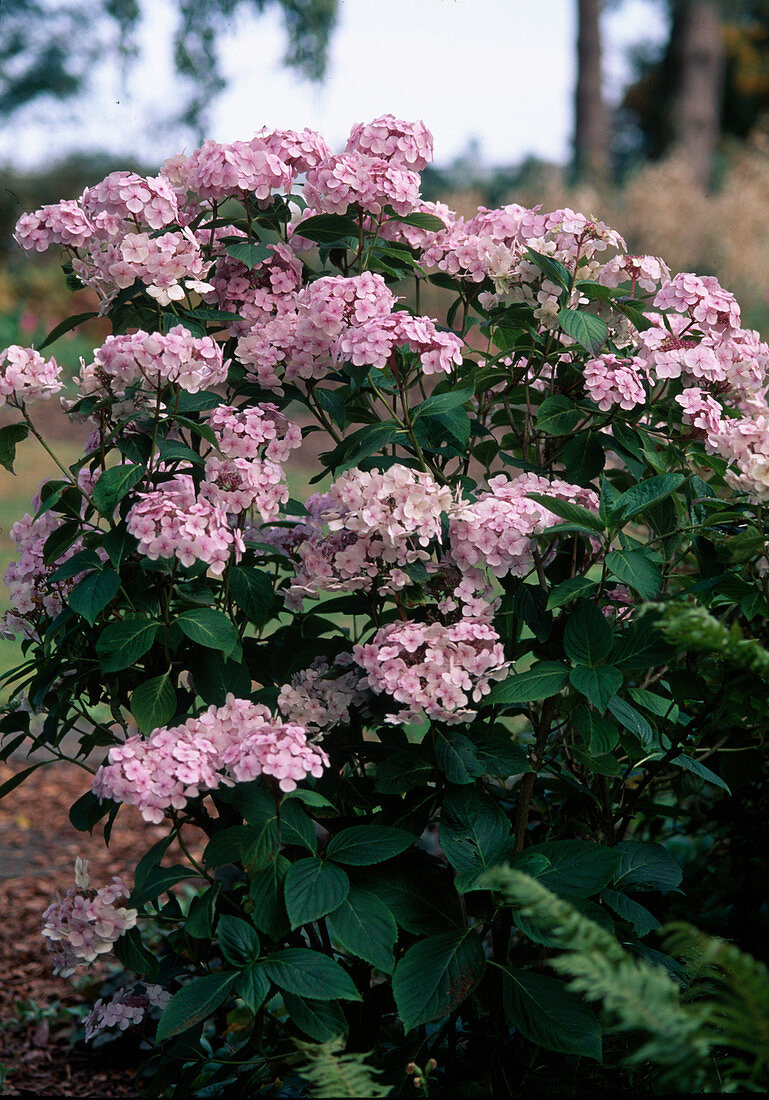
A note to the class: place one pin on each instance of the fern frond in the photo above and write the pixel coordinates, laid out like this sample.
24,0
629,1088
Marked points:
332,1074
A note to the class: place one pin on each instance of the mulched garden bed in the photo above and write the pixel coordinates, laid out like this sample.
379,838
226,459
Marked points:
38,847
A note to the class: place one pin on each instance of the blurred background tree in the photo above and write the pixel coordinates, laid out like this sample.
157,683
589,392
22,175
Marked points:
51,48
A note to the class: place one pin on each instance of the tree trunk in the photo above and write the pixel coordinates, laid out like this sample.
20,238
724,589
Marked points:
696,61
591,135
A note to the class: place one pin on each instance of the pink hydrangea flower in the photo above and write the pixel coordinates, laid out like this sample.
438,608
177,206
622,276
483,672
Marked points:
615,380
153,360
409,144
26,376
373,341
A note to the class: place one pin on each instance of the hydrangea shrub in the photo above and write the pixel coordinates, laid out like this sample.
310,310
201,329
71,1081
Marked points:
491,637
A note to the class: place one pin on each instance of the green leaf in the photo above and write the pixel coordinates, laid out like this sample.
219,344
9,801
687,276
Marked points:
309,974
419,219
253,986
159,880
587,329
327,228
599,734
250,254
648,492
474,833
455,756
444,402
362,443
541,681
65,326
640,647
587,638
200,919
548,1014
499,756
575,868
194,1003
313,889
569,590
226,846
583,458
78,563
363,845
436,975
153,703
266,892
296,828
632,720
599,685
238,941
131,952
120,645
456,422
403,771
92,594
635,914
634,568
419,898
209,628
698,769
10,436
113,484
321,1020
645,866
365,927
252,591
558,416
215,678
574,513
555,271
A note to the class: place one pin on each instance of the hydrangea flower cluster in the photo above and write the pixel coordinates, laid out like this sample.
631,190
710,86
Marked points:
233,743
154,360
433,669
256,294
32,593
26,376
372,343
375,521
86,923
125,1009
614,380
409,144
174,522
498,530
320,697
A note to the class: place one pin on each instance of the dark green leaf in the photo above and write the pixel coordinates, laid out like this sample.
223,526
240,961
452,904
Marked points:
153,703
10,436
637,915
321,1020
599,685
365,927
363,845
575,514
698,769
583,458
648,492
195,1002
252,985
113,484
327,228
436,975
120,645
632,720
238,941
209,628
215,678
475,834
645,866
558,416
309,974
313,889
92,594
542,680
444,402
421,220
569,590
296,828
455,756
200,919
575,868
599,734
633,567
544,1010
587,638
266,892
65,326
587,329
252,591
250,254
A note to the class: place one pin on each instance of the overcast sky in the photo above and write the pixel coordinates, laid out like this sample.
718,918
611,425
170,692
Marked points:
501,71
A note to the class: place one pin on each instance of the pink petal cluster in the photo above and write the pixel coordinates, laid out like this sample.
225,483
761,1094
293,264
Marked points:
128,197
125,1009
171,522
26,376
236,742
644,272
409,144
152,361
394,230
256,294
86,923
32,595
373,341
354,178
237,484
63,223
700,410
301,343
320,697
254,431
433,669
498,530
301,150
216,171
702,299
615,380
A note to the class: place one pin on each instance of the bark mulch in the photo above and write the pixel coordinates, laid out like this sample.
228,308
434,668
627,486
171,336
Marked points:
38,846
